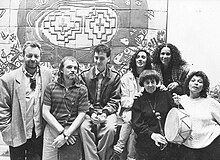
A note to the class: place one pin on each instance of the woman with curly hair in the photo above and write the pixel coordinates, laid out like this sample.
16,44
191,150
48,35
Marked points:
204,112
167,61
130,88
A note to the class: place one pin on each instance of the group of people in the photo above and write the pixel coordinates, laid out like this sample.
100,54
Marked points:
75,116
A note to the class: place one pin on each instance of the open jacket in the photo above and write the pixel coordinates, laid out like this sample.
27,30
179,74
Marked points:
110,90
13,105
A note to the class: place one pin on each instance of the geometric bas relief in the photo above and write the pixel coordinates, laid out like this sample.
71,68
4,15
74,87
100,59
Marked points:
74,27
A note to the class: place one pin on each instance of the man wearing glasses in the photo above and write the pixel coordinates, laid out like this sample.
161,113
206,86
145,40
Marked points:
21,98
99,127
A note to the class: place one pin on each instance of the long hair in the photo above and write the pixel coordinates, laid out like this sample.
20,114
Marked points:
132,63
205,79
61,66
176,58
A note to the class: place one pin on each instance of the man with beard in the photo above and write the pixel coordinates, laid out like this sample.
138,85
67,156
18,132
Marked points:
64,108
99,127
21,97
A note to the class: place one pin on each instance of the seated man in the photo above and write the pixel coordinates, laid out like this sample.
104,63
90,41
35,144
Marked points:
99,128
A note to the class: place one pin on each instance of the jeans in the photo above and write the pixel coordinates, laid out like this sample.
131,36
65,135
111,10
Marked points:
98,139
128,135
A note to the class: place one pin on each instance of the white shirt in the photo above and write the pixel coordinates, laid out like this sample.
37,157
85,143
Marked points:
205,118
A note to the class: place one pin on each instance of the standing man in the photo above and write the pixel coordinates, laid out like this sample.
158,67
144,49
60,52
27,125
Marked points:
64,109
21,103
99,128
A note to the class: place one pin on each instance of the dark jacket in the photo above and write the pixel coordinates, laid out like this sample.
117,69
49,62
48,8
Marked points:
178,74
110,90
144,121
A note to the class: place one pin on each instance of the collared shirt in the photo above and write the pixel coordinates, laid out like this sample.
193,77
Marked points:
33,98
66,102
100,76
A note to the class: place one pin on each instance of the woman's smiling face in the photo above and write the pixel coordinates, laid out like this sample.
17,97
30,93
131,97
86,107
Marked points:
165,56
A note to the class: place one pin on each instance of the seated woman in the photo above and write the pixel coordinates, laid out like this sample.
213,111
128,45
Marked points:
148,117
204,112
130,88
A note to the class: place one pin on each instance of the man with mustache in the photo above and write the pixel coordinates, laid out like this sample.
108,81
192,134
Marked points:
64,109
21,98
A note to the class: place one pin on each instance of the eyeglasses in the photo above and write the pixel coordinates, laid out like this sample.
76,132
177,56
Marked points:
33,83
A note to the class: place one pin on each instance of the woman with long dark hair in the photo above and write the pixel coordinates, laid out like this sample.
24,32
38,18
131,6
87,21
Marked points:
130,88
167,61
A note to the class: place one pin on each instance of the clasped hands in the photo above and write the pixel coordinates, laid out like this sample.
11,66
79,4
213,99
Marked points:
98,118
60,140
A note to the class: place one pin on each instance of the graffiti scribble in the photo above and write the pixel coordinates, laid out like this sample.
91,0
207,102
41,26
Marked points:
2,12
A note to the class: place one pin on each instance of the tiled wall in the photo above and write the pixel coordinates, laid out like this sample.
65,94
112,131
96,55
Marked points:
75,27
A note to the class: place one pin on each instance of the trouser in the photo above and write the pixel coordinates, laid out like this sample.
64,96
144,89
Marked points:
211,152
147,150
73,152
127,135
98,146
31,150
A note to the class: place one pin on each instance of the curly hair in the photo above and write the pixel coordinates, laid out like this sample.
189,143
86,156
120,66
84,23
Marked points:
176,59
132,63
205,79
148,74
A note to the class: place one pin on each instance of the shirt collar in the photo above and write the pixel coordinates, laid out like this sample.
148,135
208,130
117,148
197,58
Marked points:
27,74
97,72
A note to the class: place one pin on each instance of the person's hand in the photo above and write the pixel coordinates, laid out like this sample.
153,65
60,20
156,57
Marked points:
95,118
162,87
59,141
71,140
158,139
172,86
176,99
138,94
102,118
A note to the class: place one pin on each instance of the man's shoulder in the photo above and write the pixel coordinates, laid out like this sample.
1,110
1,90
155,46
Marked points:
86,71
45,69
82,86
114,71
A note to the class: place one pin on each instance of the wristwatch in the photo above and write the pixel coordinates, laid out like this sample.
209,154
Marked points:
66,137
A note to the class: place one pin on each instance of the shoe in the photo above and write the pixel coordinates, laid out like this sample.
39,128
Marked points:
118,149
131,158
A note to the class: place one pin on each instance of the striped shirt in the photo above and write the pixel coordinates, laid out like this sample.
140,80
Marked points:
66,102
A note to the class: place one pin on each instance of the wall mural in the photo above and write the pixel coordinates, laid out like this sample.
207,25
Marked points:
75,27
